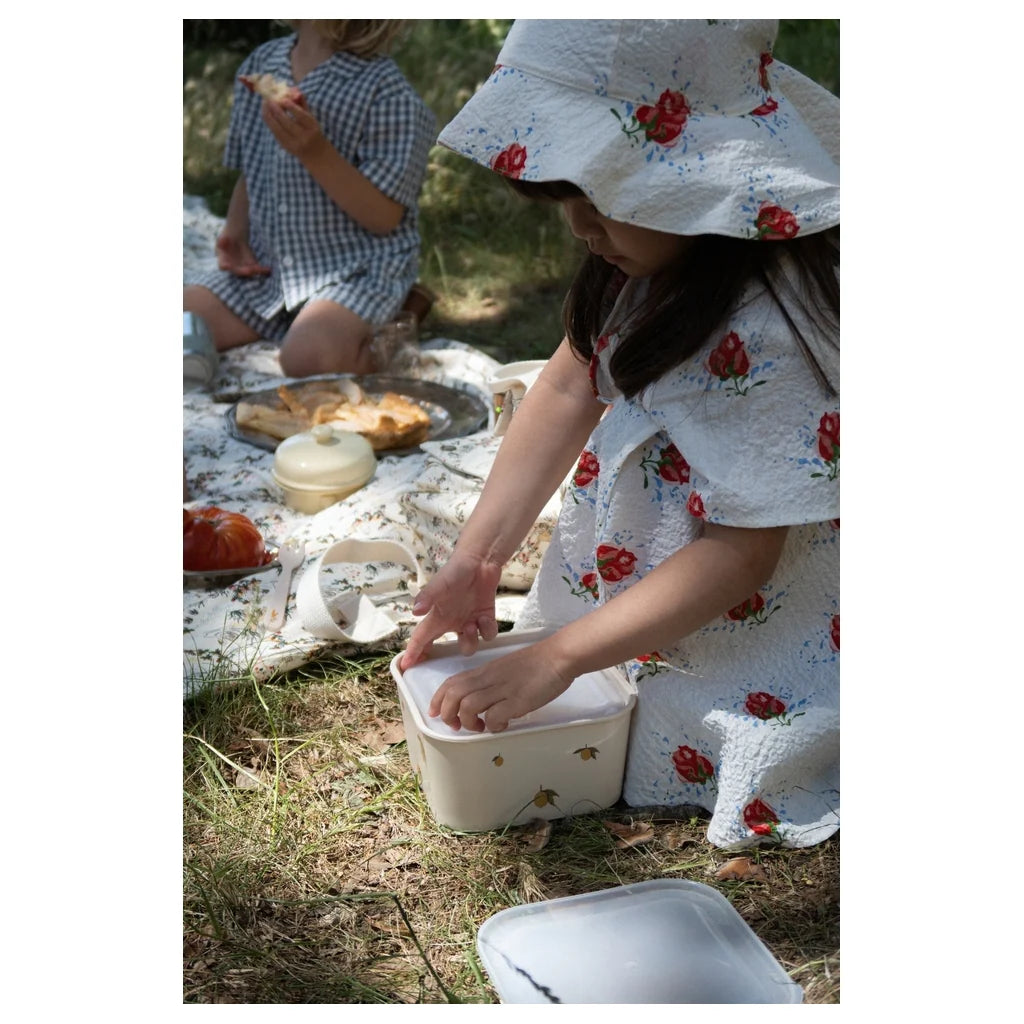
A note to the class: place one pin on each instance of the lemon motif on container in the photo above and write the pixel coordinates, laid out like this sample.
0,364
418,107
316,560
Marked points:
544,797
497,760
587,753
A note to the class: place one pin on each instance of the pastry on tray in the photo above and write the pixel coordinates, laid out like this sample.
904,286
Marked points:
386,421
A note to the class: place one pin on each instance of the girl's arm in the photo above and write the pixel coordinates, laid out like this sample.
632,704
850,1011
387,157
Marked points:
689,589
549,430
546,435
236,223
298,132
233,251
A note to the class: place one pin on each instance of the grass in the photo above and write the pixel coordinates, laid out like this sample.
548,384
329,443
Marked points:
313,871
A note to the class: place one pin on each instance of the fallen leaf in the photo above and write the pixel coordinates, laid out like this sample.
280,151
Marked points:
630,835
394,733
383,735
536,833
676,841
248,780
389,928
741,869
374,741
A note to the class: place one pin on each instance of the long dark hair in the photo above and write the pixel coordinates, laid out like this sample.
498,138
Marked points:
692,297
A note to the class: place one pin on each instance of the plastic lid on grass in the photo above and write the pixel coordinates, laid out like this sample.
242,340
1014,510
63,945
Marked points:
591,696
668,940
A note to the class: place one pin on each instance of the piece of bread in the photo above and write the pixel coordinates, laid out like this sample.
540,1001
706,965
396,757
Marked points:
278,423
389,421
270,87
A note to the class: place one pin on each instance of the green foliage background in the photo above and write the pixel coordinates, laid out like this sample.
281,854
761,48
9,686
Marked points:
499,265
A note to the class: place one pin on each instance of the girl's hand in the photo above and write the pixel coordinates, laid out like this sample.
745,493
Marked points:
490,696
459,599
235,256
295,128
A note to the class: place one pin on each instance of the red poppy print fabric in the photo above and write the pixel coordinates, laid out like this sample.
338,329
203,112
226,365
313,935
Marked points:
614,563
729,362
828,444
773,222
691,766
760,818
510,161
738,436
667,463
587,469
661,122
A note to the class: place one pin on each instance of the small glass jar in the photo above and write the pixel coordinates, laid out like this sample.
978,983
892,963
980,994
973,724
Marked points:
396,346
199,354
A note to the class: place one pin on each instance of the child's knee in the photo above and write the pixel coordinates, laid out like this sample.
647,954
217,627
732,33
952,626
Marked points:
327,338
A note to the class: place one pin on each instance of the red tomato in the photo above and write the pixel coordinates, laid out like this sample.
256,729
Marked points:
215,539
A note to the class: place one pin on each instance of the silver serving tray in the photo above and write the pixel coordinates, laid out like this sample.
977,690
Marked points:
455,408
203,579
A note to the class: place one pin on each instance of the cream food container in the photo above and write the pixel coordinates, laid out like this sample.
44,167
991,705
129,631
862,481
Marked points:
321,466
565,758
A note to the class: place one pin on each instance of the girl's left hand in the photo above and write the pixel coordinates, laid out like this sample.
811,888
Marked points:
294,127
490,696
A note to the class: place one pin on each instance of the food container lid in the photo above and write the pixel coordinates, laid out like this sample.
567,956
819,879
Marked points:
324,459
667,940
591,696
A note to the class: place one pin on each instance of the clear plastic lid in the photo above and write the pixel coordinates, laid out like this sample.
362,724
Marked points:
594,695
668,940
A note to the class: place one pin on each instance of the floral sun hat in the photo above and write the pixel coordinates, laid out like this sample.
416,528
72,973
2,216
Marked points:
689,126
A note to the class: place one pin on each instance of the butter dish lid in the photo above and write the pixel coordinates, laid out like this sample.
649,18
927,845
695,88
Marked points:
667,940
594,695
324,459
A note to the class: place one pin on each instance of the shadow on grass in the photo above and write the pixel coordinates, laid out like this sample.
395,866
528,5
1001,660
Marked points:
527,326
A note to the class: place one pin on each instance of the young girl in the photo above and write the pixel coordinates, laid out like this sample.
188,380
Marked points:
320,242
698,541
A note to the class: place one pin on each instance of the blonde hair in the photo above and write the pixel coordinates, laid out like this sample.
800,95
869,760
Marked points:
363,38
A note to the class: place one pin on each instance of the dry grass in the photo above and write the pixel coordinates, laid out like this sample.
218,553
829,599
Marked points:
314,872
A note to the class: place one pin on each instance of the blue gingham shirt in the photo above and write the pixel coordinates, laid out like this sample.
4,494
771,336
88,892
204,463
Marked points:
373,118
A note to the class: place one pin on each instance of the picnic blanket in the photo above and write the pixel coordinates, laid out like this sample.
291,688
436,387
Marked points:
416,501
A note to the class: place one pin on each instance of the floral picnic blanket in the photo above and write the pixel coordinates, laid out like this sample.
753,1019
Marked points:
418,500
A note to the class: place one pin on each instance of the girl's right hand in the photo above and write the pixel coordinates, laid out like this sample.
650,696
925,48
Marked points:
459,599
235,256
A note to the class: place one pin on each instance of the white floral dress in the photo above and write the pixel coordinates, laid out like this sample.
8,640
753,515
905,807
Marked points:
742,716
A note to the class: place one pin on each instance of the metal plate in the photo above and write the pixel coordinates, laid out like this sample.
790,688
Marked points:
203,579
455,408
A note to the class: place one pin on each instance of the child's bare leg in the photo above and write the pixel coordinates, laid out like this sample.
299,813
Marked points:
327,338
227,330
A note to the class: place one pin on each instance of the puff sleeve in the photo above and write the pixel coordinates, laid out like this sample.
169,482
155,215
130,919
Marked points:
760,434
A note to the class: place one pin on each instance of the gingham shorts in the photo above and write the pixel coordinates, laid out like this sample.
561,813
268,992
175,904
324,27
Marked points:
367,298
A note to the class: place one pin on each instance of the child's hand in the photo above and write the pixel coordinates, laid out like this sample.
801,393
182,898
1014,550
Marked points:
459,599
235,256
294,127
489,697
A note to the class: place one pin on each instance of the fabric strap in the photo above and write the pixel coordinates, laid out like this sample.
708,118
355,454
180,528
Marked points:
364,621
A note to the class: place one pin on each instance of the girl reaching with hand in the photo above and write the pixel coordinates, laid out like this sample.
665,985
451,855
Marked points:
692,411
